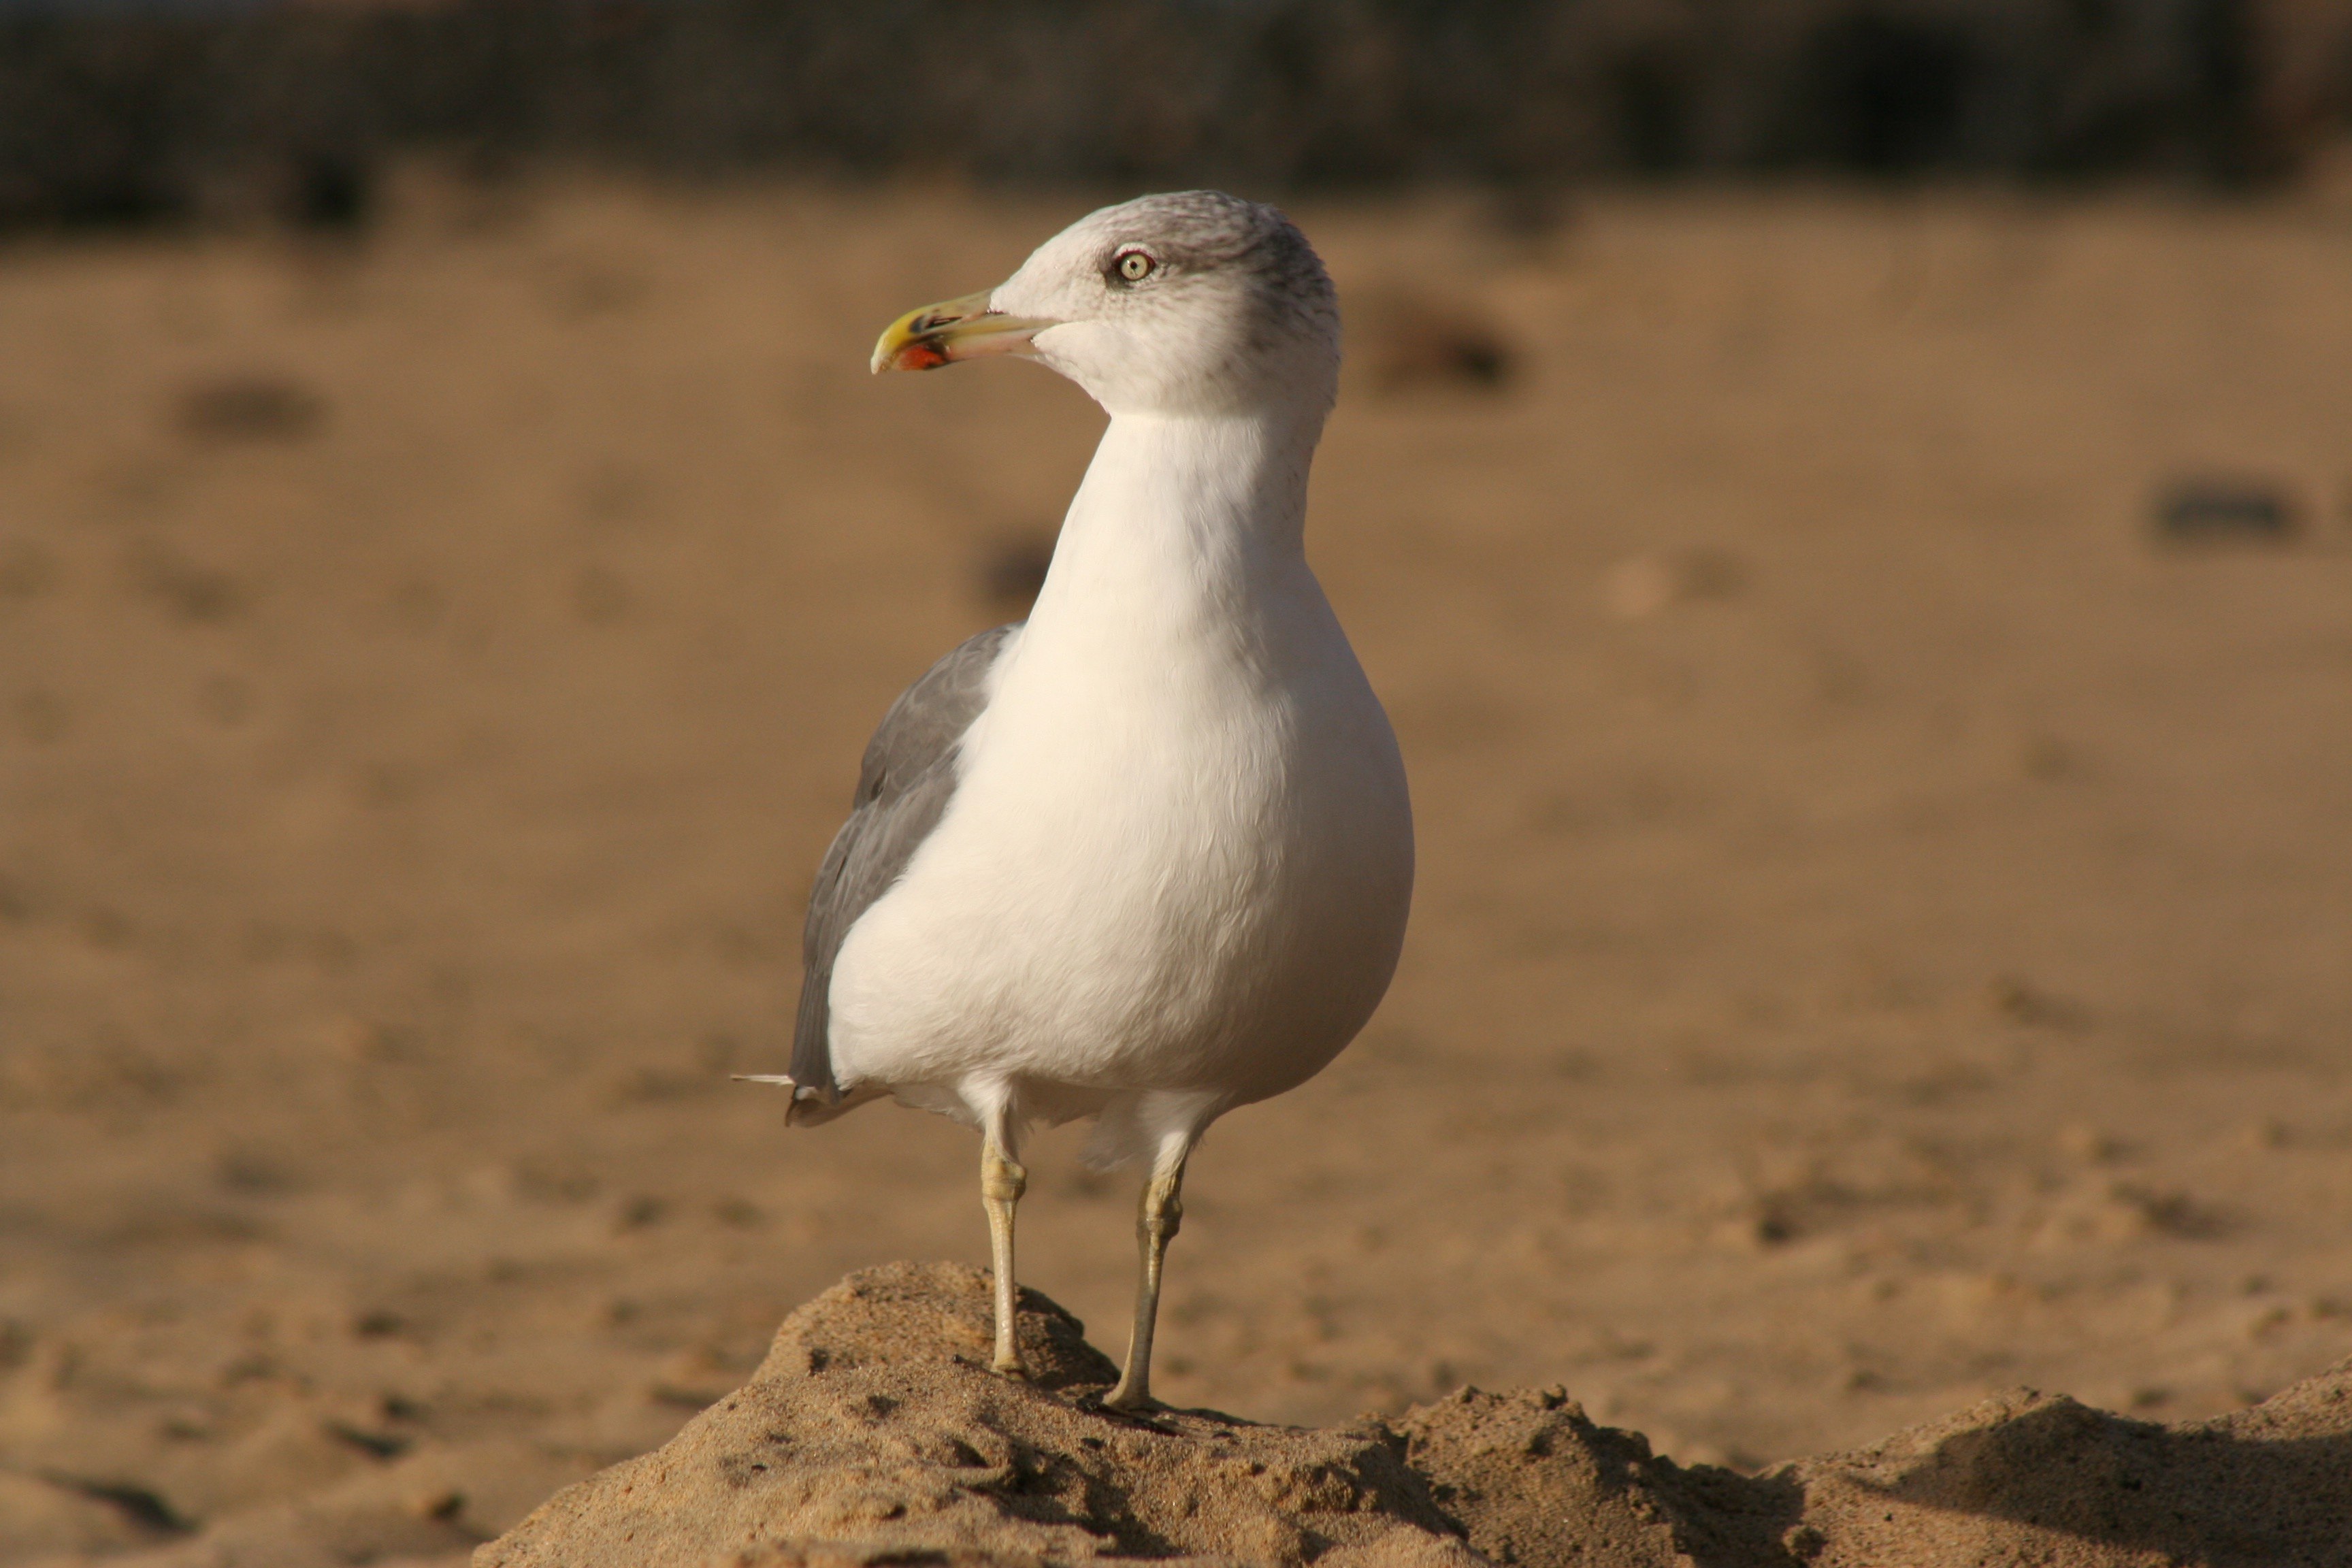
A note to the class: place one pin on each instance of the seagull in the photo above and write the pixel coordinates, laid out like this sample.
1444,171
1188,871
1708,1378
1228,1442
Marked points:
1146,856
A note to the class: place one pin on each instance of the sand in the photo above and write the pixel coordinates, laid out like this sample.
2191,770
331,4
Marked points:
1881,937
874,1433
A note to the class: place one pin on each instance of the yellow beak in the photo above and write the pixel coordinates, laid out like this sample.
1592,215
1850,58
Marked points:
951,331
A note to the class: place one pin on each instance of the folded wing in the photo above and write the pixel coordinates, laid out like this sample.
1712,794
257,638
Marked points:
903,789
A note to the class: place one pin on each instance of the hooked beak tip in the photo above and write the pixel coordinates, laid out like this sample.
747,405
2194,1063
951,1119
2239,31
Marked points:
953,330
914,353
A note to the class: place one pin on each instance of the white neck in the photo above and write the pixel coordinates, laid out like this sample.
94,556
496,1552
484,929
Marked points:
1182,526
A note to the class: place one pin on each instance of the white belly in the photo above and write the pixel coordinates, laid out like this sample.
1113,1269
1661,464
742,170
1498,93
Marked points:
1177,871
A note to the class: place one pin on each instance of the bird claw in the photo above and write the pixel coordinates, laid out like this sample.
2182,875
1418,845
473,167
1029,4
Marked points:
1128,1403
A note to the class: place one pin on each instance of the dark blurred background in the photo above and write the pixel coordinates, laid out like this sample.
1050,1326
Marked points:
126,112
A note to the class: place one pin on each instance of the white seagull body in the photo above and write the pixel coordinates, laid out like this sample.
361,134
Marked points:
1149,856
1169,880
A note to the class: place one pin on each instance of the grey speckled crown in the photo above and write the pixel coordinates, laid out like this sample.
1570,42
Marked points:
1209,231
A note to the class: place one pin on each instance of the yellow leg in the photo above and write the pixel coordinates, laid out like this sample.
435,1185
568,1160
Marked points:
1002,1183
1158,1218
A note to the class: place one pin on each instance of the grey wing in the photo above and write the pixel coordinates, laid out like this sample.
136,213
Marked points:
903,789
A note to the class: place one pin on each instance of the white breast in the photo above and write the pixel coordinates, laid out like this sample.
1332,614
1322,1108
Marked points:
1180,853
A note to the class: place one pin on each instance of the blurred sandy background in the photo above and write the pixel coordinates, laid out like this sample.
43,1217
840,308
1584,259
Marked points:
1884,917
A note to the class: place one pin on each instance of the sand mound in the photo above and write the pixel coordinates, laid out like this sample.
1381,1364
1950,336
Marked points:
873,1433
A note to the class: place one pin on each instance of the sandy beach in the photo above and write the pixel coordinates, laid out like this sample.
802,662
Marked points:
1884,926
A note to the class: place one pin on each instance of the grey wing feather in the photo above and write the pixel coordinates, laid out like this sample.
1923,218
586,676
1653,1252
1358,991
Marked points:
903,789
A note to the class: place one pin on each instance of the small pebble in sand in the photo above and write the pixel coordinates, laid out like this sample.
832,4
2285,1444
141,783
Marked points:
249,407
1411,342
2220,509
2021,1002
2083,1141
1642,585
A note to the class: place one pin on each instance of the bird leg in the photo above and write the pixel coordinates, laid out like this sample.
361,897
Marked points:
1158,1218
1002,1183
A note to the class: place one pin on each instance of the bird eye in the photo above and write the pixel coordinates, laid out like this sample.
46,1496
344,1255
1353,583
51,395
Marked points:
1135,266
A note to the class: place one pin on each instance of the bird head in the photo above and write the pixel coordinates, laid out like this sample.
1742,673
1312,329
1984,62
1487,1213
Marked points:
1191,303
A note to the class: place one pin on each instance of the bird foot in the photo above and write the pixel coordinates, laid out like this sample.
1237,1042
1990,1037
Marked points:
1133,1402
1011,1366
